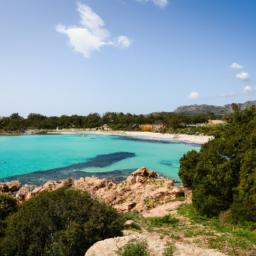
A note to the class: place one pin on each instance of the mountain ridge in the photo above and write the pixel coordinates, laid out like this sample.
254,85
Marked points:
215,109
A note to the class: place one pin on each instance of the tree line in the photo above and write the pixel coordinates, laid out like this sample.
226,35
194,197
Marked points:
169,120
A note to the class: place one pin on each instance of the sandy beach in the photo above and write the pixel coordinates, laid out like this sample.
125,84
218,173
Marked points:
186,138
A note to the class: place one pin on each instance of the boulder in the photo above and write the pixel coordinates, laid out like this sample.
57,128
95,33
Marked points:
110,247
52,186
145,173
24,193
10,187
156,246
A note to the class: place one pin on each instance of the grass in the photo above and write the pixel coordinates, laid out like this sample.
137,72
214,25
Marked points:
169,249
134,248
205,232
226,237
167,220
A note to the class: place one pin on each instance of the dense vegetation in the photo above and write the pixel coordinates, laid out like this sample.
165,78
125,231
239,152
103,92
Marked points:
64,222
223,173
169,121
7,205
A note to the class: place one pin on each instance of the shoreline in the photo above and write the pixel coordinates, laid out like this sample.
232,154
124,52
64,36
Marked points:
155,136
169,137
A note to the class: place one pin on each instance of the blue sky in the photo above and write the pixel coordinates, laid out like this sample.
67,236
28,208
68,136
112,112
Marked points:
139,56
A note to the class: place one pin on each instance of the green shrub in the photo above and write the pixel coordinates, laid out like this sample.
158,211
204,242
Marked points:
134,248
7,205
244,207
64,222
223,173
187,167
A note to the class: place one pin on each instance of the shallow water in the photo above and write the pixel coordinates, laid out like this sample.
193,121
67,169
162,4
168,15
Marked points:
38,158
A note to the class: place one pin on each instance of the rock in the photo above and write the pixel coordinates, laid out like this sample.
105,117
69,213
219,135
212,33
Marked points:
188,196
24,193
156,246
10,187
145,173
129,223
183,249
142,190
52,186
162,210
110,247
131,206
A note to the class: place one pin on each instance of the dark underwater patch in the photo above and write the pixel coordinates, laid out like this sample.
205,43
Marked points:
38,178
74,170
166,163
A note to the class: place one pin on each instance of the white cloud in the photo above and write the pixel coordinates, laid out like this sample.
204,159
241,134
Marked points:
91,35
123,41
249,89
244,76
236,65
194,95
159,3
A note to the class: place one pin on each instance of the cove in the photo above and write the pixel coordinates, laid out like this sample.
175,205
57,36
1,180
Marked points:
35,159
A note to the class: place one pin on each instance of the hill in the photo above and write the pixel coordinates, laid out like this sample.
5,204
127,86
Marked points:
217,110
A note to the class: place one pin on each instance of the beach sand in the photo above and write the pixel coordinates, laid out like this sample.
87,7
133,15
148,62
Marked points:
186,138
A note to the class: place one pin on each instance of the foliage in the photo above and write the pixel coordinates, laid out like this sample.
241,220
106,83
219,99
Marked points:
171,122
138,248
187,163
7,205
223,173
64,222
245,196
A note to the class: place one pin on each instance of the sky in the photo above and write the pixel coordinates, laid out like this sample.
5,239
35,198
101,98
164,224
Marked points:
139,56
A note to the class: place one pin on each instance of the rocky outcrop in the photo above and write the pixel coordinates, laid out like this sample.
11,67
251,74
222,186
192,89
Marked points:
10,187
156,246
141,191
110,247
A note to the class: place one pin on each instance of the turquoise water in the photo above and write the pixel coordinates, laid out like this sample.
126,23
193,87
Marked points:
21,155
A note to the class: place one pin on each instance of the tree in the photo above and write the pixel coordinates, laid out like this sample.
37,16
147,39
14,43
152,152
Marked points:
7,205
187,169
223,174
244,207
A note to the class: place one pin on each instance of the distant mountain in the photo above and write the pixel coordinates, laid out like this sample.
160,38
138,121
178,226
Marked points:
217,110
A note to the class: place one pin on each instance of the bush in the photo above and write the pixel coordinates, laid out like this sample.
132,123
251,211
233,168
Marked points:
64,222
223,173
244,207
187,167
7,205
138,248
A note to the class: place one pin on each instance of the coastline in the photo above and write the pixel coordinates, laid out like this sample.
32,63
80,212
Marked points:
181,138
